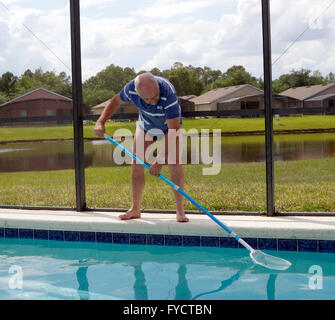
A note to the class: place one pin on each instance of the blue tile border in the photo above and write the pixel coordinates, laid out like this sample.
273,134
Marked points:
106,237
87,236
41,234
156,239
193,241
267,244
11,233
210,241
121,238
173,240
302,245
288,244
228,242
57,235
327,246
26,233
71,235
136,238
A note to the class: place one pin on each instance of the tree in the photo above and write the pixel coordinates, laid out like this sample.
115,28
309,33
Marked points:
208,75
331,77
298,78
156,72
8,84
185,80
235,75
164,73
177,65
49,80
96,96
2,99
107,82
28,73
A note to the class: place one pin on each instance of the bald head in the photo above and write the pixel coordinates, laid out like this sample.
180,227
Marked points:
146,86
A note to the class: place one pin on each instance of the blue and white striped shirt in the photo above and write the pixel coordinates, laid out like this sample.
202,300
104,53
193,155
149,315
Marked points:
154,116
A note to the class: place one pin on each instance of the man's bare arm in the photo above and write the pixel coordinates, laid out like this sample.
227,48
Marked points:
173,133
108,111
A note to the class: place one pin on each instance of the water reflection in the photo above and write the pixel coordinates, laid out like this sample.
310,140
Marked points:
74,270
224,284
182,290
83,289
270,288
99,153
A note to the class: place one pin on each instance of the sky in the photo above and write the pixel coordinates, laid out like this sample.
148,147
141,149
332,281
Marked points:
156,33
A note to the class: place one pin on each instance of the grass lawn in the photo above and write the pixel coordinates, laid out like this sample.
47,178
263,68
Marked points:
307,185
225,124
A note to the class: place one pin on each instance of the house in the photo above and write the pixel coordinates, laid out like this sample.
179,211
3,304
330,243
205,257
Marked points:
241,97
130,108
324,101
186,105
37,103
209,100
320,95
256,101
125,108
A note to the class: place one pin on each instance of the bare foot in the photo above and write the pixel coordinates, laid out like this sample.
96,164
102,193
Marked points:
131,214
181,217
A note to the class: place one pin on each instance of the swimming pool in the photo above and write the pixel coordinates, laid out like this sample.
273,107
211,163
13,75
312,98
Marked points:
48,269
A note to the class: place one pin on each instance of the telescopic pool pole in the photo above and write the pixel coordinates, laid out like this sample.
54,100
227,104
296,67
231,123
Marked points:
257,256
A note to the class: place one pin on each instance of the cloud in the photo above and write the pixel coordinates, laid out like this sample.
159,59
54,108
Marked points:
161,32
28,33
217,44
170,8
86,4
311,20
235,38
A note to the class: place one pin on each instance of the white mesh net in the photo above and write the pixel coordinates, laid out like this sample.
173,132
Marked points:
268,261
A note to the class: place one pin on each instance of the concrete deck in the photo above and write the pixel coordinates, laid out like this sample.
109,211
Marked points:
317,228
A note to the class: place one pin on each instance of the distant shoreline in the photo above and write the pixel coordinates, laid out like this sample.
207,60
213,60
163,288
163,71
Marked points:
233,133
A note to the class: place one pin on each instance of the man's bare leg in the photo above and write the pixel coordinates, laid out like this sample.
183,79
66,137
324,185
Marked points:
137,176
177,177
137,184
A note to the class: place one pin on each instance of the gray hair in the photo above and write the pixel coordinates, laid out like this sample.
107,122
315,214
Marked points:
147,75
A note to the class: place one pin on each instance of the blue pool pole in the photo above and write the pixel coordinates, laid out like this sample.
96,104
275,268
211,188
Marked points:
181,191
257,256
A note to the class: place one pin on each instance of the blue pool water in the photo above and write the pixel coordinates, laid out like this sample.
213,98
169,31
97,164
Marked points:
45,269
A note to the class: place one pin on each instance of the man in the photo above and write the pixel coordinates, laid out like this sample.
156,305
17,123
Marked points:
159,114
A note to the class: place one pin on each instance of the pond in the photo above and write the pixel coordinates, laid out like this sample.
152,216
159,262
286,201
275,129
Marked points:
33,156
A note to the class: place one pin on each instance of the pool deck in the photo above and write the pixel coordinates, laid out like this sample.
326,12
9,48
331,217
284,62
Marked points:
288,227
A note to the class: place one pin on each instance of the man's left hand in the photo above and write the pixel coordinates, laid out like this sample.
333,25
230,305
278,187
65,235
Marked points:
155,168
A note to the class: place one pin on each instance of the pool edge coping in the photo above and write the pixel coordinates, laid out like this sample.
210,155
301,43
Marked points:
274,233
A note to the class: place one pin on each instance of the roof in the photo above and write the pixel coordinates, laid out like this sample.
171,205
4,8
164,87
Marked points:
105,103
102,104
189,97
36,94
275,96
216,94
305,92
243,98
320,98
